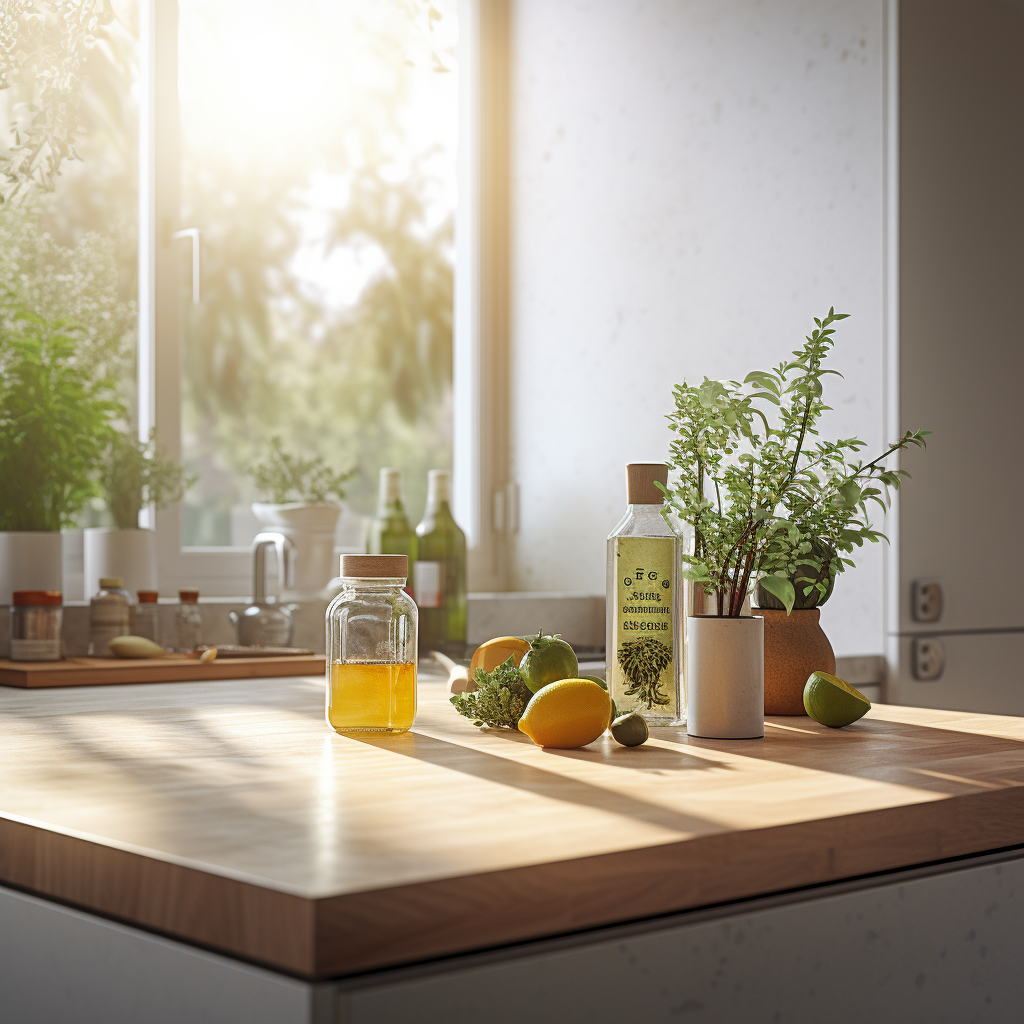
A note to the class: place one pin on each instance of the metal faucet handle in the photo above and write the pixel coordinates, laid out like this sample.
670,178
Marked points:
285,568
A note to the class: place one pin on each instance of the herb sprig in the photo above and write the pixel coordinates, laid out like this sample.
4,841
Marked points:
499,700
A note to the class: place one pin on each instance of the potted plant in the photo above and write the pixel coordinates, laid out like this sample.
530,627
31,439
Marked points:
758,489
133,474
299,509
54,426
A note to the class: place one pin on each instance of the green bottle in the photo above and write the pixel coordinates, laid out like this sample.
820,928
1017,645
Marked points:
390,532
440,573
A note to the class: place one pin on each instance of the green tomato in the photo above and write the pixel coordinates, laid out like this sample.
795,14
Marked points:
549,659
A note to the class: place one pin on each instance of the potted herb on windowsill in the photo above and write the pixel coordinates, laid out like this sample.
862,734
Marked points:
54,426
299,507
133,474
758,490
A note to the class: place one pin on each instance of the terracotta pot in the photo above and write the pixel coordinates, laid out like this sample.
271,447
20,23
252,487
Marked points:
794,647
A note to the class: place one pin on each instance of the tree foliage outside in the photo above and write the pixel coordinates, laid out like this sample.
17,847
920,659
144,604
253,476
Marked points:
759,491
365,381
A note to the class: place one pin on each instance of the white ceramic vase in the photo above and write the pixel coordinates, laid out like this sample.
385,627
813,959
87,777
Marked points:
310,528
29,560
130,554
725,677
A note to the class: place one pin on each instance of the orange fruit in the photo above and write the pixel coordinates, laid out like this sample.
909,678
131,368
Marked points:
495,652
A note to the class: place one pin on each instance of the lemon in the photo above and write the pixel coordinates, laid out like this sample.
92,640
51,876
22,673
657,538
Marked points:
495,652
832,701
568,713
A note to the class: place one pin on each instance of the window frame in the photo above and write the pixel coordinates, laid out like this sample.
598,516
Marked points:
485,500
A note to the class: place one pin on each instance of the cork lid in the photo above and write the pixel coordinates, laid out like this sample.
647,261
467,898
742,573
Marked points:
188,596
640,482
36,598
375,567
110,582
148,596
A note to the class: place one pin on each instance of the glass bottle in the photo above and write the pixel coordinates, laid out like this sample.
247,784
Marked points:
110,615
439,575
188,622
371,647
36,617
644,633
147,615
390,532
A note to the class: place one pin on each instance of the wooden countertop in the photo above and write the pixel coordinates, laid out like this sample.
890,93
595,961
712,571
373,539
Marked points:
227,814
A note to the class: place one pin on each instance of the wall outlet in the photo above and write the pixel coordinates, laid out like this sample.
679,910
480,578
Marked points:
928,659
926,600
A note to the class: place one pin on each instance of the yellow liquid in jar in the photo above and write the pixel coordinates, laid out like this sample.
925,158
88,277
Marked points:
371,698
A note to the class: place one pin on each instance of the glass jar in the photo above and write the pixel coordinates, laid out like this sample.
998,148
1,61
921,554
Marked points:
35,625
110,615
188,622
371,647
147,615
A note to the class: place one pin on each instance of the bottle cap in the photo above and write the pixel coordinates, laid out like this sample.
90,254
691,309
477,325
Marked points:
375,567
439,486
106,582
188,596
148,596
36,598
390,486
640,482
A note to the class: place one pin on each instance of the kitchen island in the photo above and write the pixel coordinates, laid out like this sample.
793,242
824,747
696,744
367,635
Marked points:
210,849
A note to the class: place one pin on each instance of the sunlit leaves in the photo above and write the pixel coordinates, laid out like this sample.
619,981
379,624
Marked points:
765,500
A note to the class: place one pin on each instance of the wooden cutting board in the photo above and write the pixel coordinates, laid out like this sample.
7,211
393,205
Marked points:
170,669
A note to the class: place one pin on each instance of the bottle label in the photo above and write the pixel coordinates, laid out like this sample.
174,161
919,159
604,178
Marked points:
429,582
642,664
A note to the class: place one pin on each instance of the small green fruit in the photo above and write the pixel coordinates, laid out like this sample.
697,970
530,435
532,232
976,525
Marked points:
630,730
548,660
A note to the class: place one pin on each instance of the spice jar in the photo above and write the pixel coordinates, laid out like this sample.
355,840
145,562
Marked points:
147,615
35,625
188,622
110,615
371,647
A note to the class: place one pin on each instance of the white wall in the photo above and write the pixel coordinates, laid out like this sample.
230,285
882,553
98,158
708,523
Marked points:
693,180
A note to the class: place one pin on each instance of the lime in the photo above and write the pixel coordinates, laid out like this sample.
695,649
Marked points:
594,679
549,659
630,730
832,701
566,713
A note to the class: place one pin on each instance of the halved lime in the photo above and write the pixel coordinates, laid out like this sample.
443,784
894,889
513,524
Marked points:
833,701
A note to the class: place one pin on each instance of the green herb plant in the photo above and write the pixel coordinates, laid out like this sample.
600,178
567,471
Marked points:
642,661
55,423
759,490
287,478
499,700
135,473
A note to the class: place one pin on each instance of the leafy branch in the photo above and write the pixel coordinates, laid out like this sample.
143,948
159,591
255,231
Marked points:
785,503
285,477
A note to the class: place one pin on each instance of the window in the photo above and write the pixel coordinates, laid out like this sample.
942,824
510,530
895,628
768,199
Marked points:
298,172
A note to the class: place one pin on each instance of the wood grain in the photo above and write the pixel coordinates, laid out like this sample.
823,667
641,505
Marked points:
227,814
104,671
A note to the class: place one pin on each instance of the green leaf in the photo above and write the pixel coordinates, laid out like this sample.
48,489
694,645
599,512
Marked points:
782,588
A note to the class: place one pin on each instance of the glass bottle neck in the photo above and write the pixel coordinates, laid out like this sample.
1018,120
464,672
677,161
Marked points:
366,584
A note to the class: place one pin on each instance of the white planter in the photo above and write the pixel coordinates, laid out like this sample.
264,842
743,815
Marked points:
130,554
310,528
29,560
725,677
